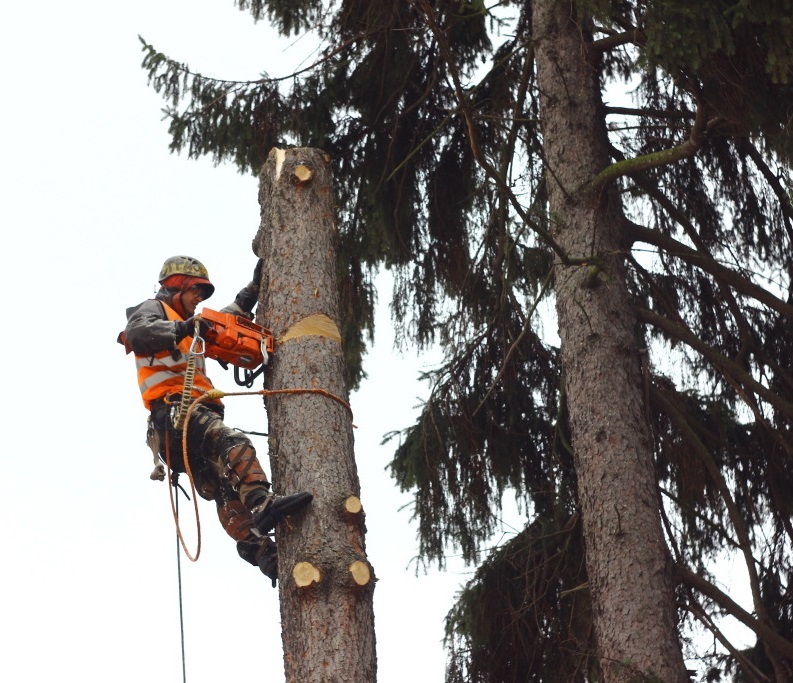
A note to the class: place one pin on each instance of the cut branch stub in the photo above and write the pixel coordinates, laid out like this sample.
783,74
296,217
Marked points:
360,573
303,173
352,505
306,574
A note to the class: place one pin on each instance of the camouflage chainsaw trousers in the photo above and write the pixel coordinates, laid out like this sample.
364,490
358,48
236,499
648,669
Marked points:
222,461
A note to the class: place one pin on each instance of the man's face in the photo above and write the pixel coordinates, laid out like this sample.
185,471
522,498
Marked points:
191,298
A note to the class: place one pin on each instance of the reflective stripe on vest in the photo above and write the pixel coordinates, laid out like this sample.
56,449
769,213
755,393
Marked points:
160,375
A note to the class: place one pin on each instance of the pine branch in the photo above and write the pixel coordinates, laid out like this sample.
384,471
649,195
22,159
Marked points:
639,233
706,458
651,189
727,367
517,341
693,605
631,37
748,666
745,146
682,219
649,112
665,157
187,72
764,632
718,529
424,8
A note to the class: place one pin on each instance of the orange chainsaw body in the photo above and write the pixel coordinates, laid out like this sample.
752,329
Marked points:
236,340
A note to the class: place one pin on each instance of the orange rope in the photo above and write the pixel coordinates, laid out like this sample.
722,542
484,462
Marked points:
273,392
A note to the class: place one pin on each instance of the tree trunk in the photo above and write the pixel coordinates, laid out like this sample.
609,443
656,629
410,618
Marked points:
325,581
627,561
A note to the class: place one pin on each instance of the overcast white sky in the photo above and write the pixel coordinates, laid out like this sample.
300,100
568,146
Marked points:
92,203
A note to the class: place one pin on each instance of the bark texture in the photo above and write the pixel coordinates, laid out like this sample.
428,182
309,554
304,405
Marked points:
627,560
327,615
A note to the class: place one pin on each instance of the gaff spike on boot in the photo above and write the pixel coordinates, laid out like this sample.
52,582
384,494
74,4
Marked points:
279,508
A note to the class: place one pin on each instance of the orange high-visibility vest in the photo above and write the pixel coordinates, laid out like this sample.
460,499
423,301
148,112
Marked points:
159,374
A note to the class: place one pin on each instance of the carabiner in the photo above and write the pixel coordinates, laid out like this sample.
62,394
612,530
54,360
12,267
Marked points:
197,346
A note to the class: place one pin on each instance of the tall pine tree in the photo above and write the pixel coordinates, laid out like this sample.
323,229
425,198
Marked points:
627,162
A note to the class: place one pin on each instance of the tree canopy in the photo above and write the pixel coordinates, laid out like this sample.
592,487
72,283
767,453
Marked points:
431,112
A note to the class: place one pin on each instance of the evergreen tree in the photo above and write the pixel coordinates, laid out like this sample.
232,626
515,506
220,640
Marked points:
628,162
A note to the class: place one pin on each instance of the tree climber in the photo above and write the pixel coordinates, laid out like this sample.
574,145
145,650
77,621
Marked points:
223,461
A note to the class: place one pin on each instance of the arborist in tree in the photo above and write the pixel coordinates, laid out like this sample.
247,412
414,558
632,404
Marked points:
223,461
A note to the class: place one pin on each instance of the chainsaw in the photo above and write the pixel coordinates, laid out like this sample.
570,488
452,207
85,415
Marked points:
235,340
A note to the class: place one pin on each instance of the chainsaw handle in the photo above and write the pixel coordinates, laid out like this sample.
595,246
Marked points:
265,355
247,376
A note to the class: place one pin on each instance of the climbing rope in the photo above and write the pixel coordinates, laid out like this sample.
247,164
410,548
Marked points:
181,607
180,423
217,394
174,505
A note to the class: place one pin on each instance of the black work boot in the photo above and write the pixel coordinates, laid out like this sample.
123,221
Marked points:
261,553
278,508
267,559
247,550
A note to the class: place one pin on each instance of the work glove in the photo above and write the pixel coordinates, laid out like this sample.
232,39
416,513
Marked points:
257,272
186,328
248,297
